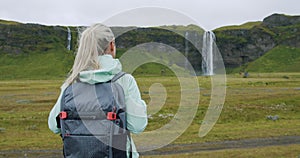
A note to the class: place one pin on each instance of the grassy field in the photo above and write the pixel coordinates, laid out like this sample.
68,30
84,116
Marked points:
25,105
290,151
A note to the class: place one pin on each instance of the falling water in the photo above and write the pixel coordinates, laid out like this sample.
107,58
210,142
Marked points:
207,53
186,49
69,39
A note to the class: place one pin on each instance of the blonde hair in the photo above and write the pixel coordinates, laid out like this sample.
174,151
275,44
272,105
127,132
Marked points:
93,42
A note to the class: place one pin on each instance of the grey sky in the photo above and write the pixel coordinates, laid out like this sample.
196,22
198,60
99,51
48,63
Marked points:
209,14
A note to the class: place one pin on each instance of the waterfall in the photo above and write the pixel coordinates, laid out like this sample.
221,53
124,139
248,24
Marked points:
186,49
69,39
207,53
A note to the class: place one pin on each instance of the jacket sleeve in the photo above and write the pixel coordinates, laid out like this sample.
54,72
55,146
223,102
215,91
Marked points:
52,124
136,108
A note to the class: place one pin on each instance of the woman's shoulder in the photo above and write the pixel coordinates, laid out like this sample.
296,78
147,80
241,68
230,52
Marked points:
126,81
127,78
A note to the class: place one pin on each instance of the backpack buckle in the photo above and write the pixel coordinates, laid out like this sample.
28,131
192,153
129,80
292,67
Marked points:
63,115
111,116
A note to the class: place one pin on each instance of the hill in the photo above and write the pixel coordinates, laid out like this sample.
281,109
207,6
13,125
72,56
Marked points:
248,42
279,59
33,51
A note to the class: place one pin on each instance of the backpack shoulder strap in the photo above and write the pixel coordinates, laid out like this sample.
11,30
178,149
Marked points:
117,76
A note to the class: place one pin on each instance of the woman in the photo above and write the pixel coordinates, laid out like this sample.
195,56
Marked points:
95,63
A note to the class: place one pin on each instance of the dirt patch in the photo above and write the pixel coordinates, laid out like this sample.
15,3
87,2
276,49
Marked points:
175,148
233,144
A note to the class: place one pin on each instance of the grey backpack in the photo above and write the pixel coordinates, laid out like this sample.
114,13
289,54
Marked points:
93,120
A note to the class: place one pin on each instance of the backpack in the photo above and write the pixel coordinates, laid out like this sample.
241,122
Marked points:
93,120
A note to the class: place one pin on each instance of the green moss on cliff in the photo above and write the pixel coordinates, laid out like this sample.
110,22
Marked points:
32,51
8,22
246,26
181,29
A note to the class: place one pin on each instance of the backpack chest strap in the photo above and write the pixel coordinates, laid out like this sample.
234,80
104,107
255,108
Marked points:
71,115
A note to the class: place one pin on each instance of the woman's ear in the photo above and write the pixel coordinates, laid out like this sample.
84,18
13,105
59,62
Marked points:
112,46
112,49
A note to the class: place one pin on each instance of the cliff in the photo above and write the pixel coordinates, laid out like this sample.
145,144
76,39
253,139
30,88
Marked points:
33,50
248,42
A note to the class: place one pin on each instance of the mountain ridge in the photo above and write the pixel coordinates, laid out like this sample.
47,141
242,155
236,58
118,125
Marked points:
239,45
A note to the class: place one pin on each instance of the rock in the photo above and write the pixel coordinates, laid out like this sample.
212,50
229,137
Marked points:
276,20
273,118
2,129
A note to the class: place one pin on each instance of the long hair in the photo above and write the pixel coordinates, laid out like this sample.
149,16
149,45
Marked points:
93,42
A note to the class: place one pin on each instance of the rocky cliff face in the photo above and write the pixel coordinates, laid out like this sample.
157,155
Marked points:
237,44
286,29
277,20
241,44
25,38
167,37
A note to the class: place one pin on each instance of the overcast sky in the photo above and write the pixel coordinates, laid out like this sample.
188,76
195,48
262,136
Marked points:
209,14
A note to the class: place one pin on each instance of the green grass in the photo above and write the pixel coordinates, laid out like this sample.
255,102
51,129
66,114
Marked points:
279,59
261,152
25,105
287,33
24,110
153,69
35,66
246,26
182,29
6,22
55,64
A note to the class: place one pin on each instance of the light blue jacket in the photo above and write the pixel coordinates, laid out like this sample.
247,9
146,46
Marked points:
135,106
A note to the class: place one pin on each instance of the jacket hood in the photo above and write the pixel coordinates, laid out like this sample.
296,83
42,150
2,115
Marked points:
109,67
